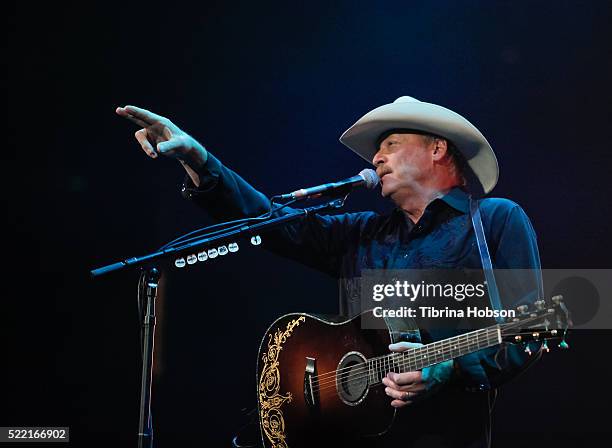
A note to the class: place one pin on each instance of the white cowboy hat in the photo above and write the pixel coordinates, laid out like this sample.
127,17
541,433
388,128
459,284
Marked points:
409,113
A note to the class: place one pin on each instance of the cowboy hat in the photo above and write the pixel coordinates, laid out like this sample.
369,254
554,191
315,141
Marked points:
409,113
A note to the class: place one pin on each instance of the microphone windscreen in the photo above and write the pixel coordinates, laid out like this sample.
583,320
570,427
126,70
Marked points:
370,177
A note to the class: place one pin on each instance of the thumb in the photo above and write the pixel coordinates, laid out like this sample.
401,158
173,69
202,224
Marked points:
167,146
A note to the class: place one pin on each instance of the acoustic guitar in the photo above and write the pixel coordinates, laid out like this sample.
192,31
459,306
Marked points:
317,376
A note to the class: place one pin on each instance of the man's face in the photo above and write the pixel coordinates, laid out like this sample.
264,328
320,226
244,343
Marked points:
402,162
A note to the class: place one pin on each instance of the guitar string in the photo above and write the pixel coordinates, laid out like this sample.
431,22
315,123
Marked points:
455,341
401,361
413,363
359,375
408,361
422,353
444,344
363,373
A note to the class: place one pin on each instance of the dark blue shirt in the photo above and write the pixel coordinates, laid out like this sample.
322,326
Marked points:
345,244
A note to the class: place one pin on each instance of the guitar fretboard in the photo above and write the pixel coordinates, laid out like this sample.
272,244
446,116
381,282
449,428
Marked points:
418,358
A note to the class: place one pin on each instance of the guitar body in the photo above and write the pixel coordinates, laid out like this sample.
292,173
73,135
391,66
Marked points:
313,384
319,380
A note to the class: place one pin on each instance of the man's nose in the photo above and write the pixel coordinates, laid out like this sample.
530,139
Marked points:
378,159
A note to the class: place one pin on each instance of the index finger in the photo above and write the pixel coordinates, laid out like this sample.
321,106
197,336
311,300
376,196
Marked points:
142,114
121,111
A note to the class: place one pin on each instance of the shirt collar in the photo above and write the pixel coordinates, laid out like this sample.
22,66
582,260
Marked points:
455,198
458,199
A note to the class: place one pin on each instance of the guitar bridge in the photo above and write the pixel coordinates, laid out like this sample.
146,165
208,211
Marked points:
311,388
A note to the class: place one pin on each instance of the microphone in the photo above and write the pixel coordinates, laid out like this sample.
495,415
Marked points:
366,178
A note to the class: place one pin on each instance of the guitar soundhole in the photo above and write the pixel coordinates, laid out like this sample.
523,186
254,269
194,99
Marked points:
352,378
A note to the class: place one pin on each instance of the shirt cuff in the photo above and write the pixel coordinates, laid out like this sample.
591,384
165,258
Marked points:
209,175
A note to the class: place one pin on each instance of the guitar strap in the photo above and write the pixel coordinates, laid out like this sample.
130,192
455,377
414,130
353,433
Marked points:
485,258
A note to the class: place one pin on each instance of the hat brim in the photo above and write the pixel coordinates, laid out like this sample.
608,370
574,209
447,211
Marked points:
362,137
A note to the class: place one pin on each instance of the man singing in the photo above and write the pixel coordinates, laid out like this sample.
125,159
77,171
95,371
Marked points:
433,164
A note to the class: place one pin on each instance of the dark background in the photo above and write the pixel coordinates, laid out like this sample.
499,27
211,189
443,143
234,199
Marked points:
269,87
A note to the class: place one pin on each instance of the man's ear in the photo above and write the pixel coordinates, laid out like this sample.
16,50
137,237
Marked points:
440,149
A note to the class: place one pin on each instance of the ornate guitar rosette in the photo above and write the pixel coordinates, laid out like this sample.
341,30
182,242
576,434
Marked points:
270,400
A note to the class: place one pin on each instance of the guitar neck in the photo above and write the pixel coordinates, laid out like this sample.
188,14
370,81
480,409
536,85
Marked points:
434,353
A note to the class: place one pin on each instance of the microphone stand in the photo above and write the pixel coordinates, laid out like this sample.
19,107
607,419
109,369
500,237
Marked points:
145,426
208,240
152,275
